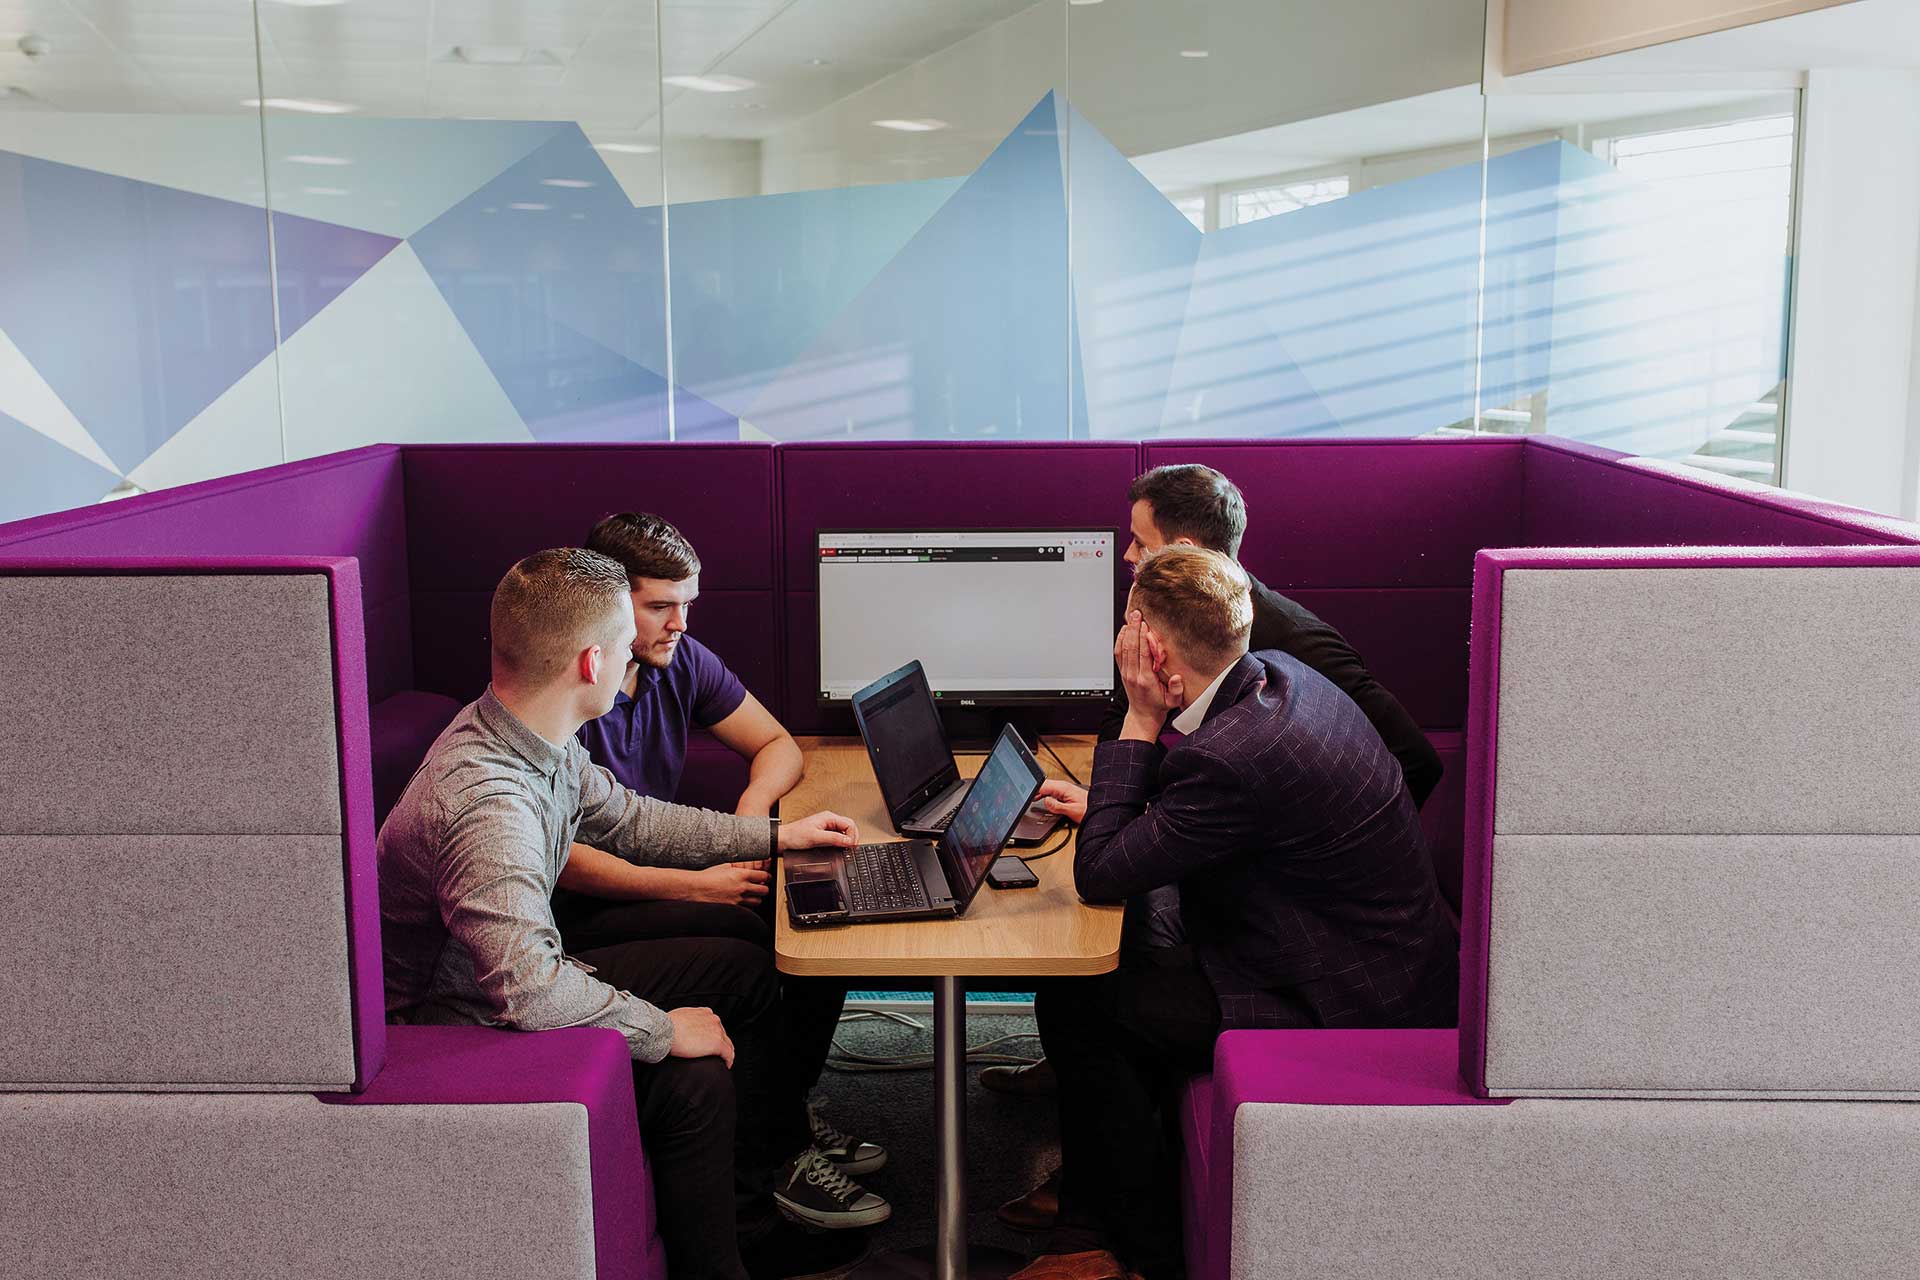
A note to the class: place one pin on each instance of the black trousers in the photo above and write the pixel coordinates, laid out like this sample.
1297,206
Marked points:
1121,1043
705,1128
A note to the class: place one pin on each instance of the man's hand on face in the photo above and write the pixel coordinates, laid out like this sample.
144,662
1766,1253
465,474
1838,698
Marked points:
733,884
698,1033
1065,799
819,830
1139,653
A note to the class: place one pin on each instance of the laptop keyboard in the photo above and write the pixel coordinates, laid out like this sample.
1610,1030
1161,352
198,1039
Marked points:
941,821
884,877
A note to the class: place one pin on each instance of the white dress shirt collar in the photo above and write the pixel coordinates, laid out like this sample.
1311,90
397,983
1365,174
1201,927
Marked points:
1195,712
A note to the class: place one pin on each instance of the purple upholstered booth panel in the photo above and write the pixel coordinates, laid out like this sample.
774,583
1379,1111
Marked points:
1360,1068
1413,640
1582,496
591,1066
1366,513
473,510
347,504
450,645
931,485
349,652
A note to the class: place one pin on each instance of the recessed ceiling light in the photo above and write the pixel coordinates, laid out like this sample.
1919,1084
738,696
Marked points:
627,148
328,161
819,62
326,191
529,206
711,84
911,126
756,106
1083,1
310,4
565,182
312,106
1193,53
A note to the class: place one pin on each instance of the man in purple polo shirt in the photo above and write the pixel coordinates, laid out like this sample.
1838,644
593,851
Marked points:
673,684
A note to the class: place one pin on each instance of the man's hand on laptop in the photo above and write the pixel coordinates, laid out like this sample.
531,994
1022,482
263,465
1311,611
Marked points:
825,829
733,884
1065,799
698,1033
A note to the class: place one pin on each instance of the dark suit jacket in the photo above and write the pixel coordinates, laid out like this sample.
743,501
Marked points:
1293,629
1304,878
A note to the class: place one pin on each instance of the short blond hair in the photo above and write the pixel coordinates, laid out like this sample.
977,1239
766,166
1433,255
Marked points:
1197,598
551,606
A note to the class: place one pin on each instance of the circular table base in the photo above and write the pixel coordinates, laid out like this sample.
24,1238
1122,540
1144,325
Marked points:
984,1262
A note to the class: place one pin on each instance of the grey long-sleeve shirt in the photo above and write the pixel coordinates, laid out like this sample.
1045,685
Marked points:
468,861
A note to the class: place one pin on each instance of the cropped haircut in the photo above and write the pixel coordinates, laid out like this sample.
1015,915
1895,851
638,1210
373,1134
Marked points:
1192,501
554,604
1199,599
646,545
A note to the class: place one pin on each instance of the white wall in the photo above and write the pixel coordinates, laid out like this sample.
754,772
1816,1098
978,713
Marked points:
1548,33
1854,384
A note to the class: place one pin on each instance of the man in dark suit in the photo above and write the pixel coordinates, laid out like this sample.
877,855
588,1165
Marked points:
1305,893
1191,505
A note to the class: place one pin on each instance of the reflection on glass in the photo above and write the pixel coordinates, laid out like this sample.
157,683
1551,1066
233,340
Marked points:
868,239
474,251
1637,270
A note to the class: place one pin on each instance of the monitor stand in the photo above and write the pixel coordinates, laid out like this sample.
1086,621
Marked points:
976,729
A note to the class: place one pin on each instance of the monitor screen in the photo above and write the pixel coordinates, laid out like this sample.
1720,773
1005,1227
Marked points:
995,616
988,815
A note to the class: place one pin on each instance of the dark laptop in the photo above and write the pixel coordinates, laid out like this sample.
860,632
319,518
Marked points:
919,781
905,879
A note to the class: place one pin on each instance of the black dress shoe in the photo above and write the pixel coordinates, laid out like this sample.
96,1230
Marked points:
1034,1081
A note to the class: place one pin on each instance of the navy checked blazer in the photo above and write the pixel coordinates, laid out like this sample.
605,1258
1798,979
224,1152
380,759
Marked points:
1304,877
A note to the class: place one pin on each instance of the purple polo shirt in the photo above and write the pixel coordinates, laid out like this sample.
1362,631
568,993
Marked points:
643,740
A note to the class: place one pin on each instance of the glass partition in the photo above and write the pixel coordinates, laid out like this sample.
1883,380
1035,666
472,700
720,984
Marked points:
868,220
467,222
1638,259
135,293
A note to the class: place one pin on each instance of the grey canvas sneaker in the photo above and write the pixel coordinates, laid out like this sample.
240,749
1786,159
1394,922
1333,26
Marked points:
812,1189
851,1154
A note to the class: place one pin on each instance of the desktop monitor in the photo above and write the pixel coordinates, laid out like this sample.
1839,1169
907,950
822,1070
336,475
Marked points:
997,617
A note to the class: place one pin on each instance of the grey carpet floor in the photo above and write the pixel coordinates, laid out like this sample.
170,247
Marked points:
1011,1142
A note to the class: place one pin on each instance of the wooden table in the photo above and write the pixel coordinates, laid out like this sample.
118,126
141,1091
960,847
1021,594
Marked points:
1043,932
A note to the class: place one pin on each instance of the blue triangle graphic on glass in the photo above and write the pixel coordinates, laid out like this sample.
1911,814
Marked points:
315,262
162,287
584,392
1133,258
755,279
41,476
963,334
552,239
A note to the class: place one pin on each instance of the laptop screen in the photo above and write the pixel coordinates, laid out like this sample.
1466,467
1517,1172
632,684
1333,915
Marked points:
988,815
904,738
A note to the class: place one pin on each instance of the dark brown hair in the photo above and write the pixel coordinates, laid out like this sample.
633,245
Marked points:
1192,501
646,545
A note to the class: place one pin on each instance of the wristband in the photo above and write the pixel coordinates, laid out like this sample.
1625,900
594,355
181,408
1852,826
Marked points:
773,838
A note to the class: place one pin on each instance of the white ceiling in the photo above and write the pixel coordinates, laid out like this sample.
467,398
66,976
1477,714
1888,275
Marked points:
593,61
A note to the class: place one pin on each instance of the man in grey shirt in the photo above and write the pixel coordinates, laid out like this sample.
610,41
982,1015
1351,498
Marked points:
468,861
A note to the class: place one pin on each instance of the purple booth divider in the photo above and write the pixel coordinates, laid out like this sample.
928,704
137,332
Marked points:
931,485
1578,495
347,504
473,510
